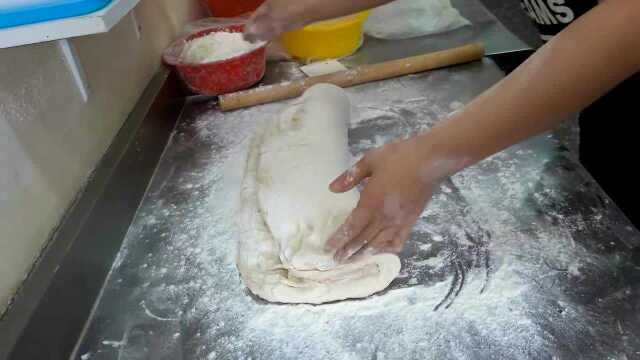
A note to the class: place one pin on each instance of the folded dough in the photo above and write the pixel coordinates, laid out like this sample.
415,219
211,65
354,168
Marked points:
404,19
287,212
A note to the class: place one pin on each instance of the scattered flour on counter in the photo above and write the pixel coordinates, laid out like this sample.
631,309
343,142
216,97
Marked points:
115,344
432,262
498,267
240,326
456,105
216,46
574,269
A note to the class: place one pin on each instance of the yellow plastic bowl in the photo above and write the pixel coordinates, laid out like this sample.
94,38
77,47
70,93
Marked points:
329,39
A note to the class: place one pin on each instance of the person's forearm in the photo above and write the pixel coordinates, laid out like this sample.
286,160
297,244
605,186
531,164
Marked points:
328,9
582,63
277,16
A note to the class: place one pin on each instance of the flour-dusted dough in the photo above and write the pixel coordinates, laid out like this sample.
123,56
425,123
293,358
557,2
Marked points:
404,19
287,211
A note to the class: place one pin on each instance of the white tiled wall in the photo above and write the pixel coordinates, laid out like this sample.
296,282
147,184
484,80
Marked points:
51,140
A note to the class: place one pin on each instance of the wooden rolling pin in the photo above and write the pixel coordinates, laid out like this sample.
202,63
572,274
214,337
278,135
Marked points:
358,75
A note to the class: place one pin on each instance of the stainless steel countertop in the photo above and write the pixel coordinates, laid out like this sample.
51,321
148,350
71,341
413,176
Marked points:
521,256
485,28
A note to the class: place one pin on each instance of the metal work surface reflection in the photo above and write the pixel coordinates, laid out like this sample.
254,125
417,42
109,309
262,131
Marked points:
521,256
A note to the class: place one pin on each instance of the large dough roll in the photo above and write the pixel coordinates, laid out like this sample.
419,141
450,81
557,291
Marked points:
287,211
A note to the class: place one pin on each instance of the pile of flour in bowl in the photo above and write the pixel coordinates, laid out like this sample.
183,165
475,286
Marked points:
216,46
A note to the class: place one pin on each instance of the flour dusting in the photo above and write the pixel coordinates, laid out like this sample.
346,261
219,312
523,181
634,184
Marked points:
216,46
515,258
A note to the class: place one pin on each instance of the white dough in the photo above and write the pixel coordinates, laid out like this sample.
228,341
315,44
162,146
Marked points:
403,19
287,212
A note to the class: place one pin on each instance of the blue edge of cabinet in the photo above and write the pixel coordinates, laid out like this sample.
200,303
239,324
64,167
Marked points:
32,12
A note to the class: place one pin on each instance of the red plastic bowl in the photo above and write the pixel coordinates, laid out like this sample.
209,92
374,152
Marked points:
231,8
218,77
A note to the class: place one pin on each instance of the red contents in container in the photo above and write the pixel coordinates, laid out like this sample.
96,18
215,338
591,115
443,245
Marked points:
231,8
223,76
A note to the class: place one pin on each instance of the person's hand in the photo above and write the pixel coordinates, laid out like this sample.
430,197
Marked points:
400,179
274,17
